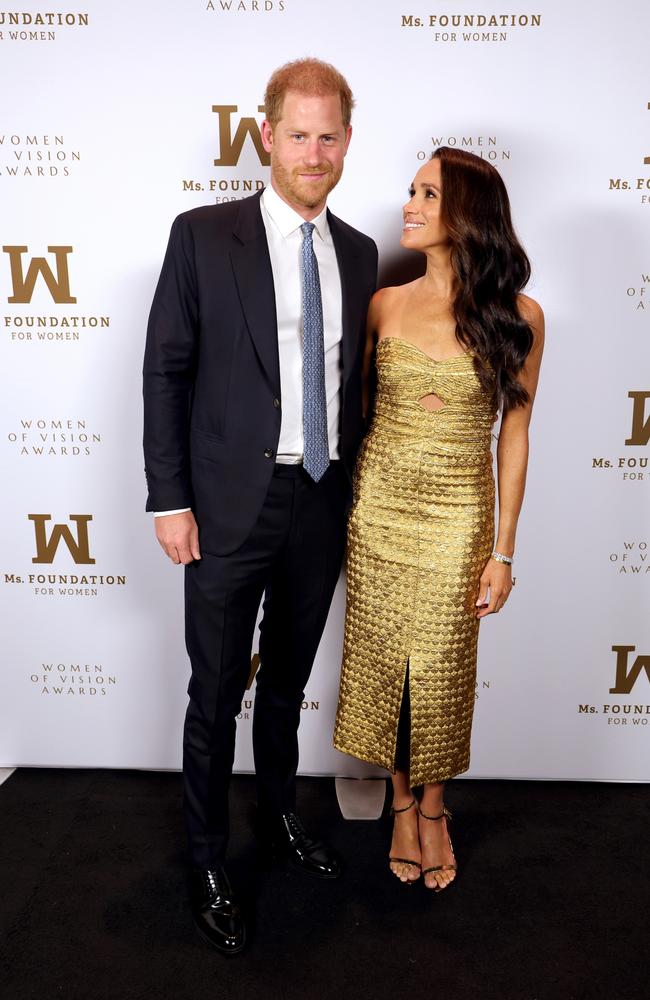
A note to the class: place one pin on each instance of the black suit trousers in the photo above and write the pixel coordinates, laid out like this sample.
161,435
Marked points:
292,558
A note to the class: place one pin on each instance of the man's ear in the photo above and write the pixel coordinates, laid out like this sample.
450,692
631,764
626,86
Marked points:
267,136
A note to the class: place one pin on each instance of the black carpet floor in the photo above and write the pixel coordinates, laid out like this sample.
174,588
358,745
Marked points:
551,902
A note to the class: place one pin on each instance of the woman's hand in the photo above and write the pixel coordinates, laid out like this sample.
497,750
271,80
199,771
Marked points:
497,579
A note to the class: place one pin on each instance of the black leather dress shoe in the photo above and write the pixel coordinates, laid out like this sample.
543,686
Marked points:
288,840
217,916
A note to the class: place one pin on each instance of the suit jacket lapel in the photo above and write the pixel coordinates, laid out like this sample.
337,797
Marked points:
350,295
251,265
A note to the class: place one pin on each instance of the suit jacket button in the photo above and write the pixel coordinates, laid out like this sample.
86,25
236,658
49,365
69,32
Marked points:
276,403
268,453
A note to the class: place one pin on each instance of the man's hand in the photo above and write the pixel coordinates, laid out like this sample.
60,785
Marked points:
178,534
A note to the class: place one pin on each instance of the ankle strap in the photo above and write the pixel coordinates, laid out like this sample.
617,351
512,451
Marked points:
445,814
393,810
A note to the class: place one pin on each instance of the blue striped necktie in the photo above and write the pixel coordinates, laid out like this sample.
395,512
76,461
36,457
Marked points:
314,403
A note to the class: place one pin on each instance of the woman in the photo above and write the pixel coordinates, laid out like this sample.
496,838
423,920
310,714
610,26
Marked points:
452,348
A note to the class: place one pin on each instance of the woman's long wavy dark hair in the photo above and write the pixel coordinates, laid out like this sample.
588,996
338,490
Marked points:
490,267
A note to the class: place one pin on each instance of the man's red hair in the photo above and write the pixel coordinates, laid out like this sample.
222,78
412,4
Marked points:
310,77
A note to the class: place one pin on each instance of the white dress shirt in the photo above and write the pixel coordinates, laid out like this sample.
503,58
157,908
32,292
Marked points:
284,237
282,225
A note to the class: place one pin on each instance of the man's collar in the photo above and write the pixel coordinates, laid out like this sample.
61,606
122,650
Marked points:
286,219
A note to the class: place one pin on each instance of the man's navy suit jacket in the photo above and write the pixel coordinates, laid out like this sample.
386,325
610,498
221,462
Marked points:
212,401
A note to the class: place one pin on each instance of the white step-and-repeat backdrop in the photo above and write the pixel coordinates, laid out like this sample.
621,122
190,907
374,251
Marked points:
116,117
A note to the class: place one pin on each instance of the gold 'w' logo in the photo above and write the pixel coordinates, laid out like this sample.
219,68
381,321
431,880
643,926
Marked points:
23,283
79,547
640,425
626,679
230,146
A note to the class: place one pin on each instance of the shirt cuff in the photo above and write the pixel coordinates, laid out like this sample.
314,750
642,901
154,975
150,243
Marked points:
164,513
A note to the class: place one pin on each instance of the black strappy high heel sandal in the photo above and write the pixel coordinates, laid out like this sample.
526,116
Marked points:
404,861
445,814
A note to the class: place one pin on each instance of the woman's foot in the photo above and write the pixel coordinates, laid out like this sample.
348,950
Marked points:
405,858
437,852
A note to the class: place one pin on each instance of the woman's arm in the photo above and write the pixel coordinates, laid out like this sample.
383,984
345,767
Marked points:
372,326
512,463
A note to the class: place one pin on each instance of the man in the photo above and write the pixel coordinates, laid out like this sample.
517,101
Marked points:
252,389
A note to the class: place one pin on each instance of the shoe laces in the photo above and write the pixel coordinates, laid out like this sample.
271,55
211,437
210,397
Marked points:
217,882
294,826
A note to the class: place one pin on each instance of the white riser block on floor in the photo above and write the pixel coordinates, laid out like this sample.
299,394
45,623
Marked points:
361,798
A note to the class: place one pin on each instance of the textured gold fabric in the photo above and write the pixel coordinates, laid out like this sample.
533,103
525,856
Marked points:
421,530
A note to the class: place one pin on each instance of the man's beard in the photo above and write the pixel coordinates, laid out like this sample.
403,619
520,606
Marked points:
307,194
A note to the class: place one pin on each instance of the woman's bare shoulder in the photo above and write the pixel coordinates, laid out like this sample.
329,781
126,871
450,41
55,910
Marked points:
386,300
530,311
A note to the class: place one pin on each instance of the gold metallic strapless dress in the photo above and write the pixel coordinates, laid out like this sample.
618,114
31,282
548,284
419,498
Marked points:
421,531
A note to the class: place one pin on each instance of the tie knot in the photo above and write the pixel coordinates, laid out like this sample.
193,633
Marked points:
307,229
